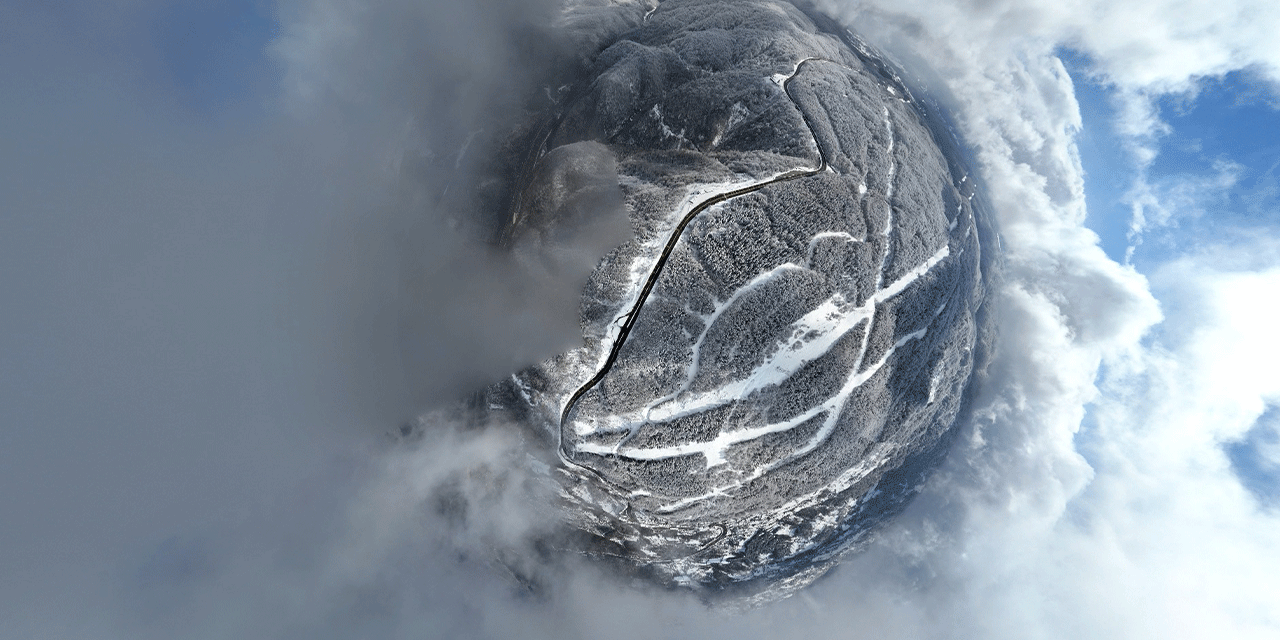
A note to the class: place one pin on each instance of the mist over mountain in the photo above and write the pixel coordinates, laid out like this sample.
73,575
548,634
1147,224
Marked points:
781,350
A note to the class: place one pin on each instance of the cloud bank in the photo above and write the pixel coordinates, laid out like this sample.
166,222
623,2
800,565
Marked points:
1092,497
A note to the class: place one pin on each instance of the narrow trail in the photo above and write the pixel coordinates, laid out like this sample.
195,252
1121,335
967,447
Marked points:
630,317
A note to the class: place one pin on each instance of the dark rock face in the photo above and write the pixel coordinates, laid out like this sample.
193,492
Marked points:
776,358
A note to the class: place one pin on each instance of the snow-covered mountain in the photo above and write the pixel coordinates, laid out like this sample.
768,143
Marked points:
777,356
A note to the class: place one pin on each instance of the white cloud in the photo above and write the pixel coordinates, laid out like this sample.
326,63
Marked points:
1141,50
1137,526
1162,205
1133,526
1075,506
1191,537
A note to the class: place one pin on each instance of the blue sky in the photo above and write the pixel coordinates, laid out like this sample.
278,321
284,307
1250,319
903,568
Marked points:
215,53
1108,168
1228,123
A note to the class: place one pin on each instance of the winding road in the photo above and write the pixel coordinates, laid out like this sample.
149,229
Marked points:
629,317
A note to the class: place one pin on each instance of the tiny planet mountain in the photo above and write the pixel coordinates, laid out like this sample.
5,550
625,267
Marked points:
781,348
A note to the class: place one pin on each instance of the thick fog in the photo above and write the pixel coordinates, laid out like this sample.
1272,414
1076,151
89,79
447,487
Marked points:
218,309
